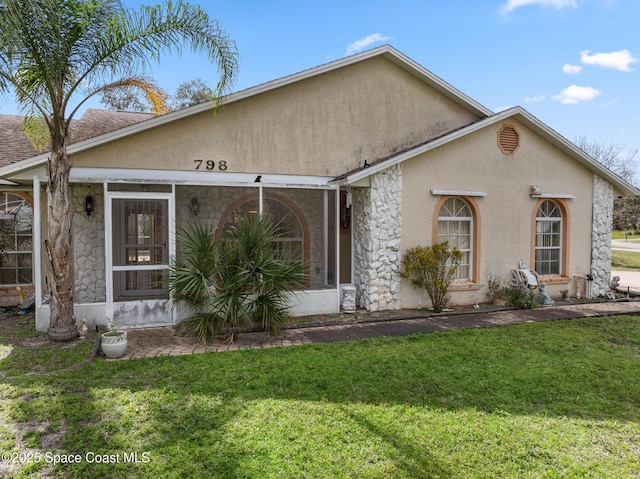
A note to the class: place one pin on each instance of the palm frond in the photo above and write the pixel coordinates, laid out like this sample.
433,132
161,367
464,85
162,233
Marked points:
37,130
204,325
154,95
247,275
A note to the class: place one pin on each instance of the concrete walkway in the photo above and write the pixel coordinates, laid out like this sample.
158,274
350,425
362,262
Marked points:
164,341
629,280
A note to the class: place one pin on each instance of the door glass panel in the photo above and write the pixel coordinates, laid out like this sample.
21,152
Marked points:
140,230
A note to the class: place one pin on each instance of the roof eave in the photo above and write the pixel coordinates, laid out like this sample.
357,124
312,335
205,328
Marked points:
385,51
520,114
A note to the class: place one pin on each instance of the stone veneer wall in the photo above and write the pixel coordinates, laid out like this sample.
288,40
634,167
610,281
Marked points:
377,230
601,235
90,282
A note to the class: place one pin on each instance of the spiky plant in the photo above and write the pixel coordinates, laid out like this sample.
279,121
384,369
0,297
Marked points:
241,278
192,278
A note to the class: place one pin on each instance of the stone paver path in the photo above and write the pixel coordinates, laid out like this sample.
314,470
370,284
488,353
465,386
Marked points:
150,342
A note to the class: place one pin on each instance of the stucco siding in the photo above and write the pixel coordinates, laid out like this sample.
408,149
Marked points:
323,125
506,215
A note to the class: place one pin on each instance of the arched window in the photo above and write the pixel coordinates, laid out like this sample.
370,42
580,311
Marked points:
16,225
548,241
455,225
289,225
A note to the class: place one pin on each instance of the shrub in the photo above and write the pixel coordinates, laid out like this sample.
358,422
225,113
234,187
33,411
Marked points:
432,268
242,278
495,287
521,299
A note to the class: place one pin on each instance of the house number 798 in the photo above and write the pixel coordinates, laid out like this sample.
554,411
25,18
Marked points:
210,165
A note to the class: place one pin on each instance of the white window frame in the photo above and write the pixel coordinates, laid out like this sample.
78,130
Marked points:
12,251
549,219
445,237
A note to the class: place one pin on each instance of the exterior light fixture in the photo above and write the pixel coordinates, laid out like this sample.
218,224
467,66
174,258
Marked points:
195,206
89,205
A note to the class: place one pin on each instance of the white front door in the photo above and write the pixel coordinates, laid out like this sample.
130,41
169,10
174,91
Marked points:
140,230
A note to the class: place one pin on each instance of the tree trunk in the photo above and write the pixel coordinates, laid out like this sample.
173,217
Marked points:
59,243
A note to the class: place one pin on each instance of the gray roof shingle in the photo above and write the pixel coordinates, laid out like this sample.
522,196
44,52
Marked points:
15,146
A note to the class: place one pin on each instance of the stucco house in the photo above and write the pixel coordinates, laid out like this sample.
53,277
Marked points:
361,159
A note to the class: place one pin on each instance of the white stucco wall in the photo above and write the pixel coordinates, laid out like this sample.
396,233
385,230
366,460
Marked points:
324,125
506,214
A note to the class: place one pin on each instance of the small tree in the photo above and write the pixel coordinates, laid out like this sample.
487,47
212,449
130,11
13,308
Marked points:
239,279
187,94
626,210
127,99
191,93
432,268
6,239
612,156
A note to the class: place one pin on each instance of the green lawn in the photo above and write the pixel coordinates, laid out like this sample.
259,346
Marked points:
625,260
619,235
543,400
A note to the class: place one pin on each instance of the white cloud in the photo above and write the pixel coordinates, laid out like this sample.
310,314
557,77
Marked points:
571,69
535,99
620,60
363,43
511,5
572,95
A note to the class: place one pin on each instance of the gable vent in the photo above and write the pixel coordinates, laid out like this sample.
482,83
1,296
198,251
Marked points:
508,139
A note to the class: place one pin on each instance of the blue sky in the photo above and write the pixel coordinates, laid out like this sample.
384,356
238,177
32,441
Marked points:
574,64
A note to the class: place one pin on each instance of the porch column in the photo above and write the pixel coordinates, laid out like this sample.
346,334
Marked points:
37,244
377,230
601,235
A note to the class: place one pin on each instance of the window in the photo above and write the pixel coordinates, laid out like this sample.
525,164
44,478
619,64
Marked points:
16,223
289,227
548,241
140,256
455,225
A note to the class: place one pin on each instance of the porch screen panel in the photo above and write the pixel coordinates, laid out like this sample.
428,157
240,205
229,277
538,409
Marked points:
301,212
140,243
288,227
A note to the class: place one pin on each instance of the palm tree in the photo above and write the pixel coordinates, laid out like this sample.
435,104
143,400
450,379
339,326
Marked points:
56,54
242,278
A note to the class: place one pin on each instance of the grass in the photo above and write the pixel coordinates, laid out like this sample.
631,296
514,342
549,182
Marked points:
541,400
620,235
625,260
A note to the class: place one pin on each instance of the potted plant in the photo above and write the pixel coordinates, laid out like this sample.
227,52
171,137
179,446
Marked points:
114,342
496,290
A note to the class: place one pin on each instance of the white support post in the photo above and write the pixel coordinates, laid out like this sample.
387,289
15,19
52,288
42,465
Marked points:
37,243
108,249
